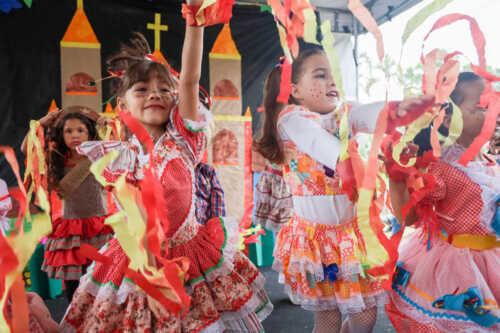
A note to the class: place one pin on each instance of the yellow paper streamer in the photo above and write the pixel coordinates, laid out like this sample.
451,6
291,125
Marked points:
283,42
456,126
34,145
377,254
246,233
98,167
327,42
415,127
421,16
24,244
200,17
128,224
310,26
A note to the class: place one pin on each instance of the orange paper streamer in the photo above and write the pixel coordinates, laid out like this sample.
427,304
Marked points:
367,20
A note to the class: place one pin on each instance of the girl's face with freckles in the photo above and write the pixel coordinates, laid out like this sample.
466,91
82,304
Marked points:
150,102
316,89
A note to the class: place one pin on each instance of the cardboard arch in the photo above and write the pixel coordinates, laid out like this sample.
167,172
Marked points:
225,148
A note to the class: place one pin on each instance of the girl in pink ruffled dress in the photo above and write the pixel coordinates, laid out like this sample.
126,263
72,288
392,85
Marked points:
226,289
449,281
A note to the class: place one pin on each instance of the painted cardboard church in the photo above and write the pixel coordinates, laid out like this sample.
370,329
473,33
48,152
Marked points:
230,148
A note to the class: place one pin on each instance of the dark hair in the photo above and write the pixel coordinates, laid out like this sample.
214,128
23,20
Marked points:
135,67
423,138
58,149
269,144
457,95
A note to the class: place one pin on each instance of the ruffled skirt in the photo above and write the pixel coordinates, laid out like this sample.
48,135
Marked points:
442,270
274,205
226,291
320,267
62,259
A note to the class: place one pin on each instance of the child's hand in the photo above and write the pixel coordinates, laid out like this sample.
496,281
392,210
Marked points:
50,117
406,106
39,310
103,121
194,2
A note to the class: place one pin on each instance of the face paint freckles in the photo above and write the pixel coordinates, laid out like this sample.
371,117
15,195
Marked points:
316,88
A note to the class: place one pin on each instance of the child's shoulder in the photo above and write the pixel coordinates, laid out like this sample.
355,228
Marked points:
292,110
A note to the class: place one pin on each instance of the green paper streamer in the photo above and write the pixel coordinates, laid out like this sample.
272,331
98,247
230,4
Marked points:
28,3
422,15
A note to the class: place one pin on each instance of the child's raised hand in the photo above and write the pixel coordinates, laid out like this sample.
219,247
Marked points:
194,2
49,118
103,121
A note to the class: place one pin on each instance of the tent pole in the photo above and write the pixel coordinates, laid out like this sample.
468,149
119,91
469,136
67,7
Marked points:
355,54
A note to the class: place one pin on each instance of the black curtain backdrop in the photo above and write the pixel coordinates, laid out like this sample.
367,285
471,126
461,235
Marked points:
30,38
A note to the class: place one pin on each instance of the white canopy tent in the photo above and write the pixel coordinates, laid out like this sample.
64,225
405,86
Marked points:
344,25
346,29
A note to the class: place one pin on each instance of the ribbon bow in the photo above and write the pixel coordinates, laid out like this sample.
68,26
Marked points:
471,303
330,272
401,276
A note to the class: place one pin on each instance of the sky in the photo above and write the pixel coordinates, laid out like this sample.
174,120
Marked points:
455,37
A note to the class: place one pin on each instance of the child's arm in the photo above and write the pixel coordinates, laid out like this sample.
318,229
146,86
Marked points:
192,53
398,192
310,138
363,118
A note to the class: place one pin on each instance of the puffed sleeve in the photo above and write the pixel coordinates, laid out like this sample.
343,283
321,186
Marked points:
299,126
438,192
190,134
124,164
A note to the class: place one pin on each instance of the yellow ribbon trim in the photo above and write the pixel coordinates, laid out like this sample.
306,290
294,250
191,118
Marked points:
473,242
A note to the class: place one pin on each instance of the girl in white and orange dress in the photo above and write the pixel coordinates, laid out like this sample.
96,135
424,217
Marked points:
449,279
226,289
318,251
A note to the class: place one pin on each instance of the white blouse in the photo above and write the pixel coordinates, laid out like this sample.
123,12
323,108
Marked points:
314,140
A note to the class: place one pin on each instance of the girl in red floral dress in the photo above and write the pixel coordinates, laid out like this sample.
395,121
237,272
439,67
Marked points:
226,289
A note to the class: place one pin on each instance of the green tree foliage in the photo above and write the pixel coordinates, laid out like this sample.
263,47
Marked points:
409,79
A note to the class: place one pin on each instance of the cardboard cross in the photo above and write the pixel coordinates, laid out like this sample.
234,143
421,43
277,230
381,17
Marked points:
157,27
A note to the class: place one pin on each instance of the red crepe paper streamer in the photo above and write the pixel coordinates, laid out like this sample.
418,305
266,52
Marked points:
220,12
8,257
20,313
414,111
153,201
477,35
286,82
